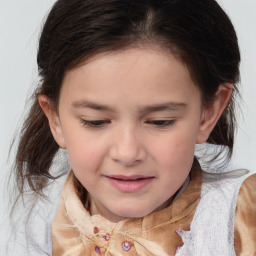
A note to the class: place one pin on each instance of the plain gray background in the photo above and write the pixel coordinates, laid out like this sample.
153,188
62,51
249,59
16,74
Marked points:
20,25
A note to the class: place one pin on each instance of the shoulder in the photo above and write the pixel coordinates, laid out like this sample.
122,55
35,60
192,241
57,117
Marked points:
246,201
215,214
249,183
247,192
245,219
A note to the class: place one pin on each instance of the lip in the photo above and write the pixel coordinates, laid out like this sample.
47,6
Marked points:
129,184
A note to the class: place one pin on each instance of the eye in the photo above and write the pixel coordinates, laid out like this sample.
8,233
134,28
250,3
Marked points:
161,123
94,123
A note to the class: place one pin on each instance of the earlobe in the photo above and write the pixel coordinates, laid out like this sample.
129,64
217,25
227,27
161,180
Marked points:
212,113
54,120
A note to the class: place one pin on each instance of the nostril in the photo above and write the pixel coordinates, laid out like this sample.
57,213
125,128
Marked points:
127,163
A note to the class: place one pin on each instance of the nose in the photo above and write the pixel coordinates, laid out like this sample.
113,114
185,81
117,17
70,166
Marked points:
127,147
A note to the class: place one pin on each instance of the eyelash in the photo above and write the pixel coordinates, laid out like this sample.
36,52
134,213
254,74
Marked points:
161,123
101,123
94,123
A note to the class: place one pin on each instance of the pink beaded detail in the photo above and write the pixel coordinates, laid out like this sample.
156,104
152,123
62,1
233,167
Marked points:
126,246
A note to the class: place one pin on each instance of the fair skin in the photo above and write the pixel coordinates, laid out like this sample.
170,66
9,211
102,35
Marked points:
130,121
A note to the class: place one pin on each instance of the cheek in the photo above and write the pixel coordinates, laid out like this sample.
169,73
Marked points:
85,155
175,152
174,156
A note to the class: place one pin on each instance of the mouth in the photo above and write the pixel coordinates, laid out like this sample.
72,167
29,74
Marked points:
129,184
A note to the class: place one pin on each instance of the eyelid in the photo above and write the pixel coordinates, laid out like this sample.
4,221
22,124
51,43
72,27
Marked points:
161,123
96,123
100,123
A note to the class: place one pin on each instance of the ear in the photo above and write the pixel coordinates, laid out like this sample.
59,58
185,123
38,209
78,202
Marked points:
212,113
54,120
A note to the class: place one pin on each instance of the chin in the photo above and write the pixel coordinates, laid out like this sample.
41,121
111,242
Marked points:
128,213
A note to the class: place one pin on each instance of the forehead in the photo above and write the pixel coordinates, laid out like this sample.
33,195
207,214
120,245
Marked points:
147,72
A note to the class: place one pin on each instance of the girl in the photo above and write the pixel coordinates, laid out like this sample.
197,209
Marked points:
128,88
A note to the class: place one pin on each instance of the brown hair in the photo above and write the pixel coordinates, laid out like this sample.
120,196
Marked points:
198,32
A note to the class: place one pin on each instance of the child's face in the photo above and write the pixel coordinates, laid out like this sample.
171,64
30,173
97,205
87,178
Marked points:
130,121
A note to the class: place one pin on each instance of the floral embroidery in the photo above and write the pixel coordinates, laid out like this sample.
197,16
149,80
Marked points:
107,237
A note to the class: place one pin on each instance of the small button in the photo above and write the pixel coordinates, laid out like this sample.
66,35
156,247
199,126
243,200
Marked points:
96,230
126,246
97,250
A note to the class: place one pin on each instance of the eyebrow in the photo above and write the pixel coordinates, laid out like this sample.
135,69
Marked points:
168,106
91,105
